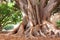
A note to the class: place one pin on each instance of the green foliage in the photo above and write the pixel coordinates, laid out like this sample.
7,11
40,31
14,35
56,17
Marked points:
58,23
9,14
11,4
8,27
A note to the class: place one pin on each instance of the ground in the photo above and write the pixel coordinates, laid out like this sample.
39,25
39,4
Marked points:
12,37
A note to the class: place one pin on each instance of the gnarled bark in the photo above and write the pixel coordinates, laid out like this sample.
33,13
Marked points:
36,17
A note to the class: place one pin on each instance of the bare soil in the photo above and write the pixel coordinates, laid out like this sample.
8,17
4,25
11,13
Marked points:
13,37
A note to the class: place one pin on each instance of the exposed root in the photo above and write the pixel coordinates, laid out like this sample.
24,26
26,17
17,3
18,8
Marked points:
48,29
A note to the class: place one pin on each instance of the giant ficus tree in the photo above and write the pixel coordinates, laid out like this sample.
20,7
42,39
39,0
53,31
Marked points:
36,18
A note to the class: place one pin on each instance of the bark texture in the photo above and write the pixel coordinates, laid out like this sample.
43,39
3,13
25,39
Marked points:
36,18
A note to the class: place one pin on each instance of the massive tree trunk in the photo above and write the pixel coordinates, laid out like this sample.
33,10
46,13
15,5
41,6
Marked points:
36,18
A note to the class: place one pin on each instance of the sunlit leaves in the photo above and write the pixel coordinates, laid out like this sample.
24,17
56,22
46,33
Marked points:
9,14
11,4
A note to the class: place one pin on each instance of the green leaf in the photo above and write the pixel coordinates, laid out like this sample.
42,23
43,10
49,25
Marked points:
11,4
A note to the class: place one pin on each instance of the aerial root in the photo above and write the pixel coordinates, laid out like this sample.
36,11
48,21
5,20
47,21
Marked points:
48,29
